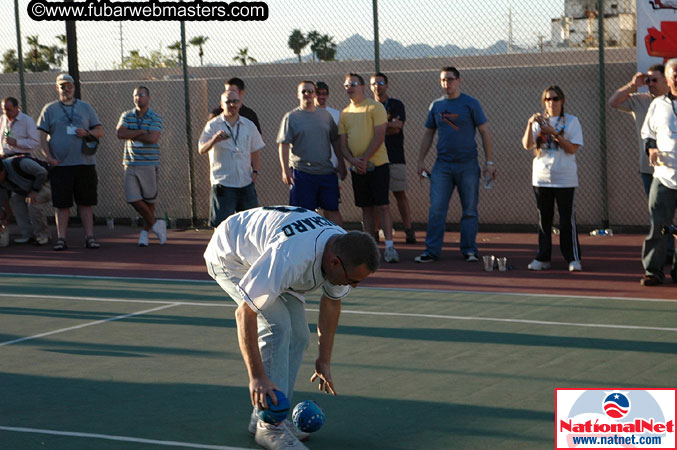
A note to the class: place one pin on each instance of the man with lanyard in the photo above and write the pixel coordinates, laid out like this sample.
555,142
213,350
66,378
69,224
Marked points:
63,124
661,146
234,145
141,128
395,146
237,85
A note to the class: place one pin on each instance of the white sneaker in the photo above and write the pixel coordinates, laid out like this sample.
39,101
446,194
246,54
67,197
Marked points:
300,435
143,239
277,437
539,265
160,230
575,266
390,255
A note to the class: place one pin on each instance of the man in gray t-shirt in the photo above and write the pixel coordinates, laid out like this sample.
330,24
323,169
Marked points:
309,133
63,125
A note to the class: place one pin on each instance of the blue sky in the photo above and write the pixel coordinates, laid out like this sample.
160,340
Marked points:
465,23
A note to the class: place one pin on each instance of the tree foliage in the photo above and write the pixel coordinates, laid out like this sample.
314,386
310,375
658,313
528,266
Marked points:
243,57
199,42
156,59
297,42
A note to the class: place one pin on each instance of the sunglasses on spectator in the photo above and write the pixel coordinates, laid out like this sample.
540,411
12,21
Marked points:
651,80
307,92
232,102
378,83
351,84
552,99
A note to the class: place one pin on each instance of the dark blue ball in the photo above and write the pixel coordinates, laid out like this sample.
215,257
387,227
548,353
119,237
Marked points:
308,416
275,413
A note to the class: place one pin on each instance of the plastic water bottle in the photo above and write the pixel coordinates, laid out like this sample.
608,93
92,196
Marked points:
489,182
602,232
110,222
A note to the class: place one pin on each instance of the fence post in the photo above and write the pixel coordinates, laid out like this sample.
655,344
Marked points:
189,138
20,58
602,114
377,51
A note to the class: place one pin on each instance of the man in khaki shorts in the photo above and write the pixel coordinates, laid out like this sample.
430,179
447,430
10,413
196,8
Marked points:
394,141
140,128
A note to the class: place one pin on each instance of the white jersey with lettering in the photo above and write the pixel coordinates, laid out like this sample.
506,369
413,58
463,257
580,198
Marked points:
274,250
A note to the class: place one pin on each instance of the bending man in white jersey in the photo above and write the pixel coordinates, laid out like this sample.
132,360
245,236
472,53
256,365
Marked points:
266,259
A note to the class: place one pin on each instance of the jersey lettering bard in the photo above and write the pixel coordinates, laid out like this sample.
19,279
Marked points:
274,250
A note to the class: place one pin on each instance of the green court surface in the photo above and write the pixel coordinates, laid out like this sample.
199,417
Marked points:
94,363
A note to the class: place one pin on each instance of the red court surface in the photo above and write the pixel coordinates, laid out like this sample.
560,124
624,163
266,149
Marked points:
611,265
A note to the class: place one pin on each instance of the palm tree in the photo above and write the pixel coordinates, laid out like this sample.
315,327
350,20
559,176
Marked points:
326,48
297,42
199,41
34,44
176,46
313,37
62,51
243,57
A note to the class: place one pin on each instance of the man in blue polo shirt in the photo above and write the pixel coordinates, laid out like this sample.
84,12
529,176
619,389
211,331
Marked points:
140,128
455,116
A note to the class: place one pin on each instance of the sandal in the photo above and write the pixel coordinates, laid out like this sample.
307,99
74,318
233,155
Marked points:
60,245
90,242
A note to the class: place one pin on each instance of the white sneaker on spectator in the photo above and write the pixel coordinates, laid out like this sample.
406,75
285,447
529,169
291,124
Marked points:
390,255
143,239
277,437
160,230
539,265
575,266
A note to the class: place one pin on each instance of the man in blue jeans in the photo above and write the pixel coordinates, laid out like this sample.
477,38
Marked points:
455,116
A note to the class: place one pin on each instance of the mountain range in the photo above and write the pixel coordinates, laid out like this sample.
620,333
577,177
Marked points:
356,48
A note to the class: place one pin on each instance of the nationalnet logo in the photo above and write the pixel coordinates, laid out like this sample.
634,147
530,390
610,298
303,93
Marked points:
615,418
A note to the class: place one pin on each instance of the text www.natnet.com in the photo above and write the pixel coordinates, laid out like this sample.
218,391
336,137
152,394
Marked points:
616,440
154,10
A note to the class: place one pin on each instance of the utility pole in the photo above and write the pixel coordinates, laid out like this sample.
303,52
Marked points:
510,43
122,51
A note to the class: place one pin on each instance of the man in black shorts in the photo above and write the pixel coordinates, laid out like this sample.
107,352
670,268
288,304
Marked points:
63,125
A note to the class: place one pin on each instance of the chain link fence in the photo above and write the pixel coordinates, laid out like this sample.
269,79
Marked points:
507,53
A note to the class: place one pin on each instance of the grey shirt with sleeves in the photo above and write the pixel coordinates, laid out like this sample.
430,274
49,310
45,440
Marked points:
310,134
637,104
55,119
16,182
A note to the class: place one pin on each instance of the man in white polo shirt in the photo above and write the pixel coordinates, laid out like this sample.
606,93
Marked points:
267,259
234,145
661,145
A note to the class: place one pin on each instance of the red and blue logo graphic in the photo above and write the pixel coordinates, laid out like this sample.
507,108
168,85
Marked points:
616,405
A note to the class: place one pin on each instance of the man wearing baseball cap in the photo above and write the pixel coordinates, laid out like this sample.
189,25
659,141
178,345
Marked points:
63,125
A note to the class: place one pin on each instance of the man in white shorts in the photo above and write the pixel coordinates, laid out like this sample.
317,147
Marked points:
267,259
140,128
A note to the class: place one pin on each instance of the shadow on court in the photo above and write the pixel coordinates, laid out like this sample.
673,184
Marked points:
218,415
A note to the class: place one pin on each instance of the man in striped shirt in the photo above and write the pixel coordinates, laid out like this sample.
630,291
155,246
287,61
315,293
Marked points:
140,128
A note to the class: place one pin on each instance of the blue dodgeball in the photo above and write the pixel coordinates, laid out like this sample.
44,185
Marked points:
308,416
275,413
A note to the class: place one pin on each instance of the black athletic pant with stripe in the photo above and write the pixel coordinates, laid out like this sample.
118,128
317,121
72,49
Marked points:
568,238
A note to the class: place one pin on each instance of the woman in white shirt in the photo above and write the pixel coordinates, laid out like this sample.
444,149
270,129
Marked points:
554,137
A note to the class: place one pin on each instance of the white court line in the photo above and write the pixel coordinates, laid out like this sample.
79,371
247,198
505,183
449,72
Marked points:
494,319
121,300
371,288
355,312
62,330
119,438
